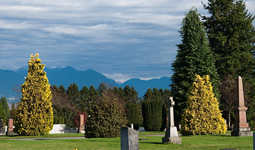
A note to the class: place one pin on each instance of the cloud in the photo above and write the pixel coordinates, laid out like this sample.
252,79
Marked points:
120,38
118,77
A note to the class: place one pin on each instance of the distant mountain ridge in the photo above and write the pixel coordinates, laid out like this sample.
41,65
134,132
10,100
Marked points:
68,75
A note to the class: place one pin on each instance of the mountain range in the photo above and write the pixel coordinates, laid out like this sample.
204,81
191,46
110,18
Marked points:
65,76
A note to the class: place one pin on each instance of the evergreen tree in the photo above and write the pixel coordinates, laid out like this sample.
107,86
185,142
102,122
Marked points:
102,88
5,106
107,116
62,89
93,95
231,35
148,95
84,95
156,95
194,57
202,115
121,93
35,113
73,93
133,114
154,115
3,113
115,90
130,94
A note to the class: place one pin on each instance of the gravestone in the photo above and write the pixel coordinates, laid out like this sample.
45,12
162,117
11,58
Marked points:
241,126
171,135
10,127
129,139
81,126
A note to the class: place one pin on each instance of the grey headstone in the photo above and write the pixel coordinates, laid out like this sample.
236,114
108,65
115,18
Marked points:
129,139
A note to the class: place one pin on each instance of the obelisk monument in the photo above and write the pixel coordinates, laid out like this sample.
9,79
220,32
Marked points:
171,135
241,126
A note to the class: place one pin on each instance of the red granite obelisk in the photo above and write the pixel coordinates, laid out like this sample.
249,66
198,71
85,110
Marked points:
10,127
81,127
241,126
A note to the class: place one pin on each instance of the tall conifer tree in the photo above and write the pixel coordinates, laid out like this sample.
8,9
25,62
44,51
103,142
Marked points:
232,36
194,57
35,112
73,93
232,39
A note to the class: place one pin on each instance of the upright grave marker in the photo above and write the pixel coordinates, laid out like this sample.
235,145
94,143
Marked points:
171,135
81,124
241,126
129,139
10,127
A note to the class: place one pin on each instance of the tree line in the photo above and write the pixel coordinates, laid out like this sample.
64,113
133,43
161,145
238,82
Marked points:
68,102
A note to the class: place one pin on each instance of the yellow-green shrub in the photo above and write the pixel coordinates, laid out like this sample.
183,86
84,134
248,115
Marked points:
202,115
35,113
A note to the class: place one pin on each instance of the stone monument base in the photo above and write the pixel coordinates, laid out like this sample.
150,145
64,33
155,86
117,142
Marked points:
241,132
171,136
175,140
10,133
171,132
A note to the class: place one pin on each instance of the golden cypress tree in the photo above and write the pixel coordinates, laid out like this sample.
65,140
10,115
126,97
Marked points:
35,112
202,115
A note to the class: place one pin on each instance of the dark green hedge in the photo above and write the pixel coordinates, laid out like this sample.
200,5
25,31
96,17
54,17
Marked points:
154,115
132,111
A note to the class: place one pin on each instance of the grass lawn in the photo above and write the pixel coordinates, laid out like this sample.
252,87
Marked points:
210,142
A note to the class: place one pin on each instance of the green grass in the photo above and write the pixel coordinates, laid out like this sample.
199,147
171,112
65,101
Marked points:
43,136
149,142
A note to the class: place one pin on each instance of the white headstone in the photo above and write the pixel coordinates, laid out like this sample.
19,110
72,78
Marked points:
171,135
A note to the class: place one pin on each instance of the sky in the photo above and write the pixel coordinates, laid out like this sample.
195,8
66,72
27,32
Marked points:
121,39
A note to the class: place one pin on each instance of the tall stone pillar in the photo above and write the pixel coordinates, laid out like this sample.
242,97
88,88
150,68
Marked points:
10,127
81,124
241,126
171,135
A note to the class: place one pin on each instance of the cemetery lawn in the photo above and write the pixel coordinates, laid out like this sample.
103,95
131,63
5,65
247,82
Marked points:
149,141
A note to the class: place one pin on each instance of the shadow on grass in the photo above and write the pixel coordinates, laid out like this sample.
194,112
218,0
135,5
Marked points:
157,143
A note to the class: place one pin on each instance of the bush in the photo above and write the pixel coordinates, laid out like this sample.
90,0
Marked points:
202,115
106,116
153,114
133,115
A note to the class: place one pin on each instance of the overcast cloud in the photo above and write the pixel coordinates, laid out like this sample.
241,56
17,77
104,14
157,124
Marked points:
120,38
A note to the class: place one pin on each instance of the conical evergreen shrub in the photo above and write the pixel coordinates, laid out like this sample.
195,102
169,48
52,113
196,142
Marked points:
202,115
35,112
